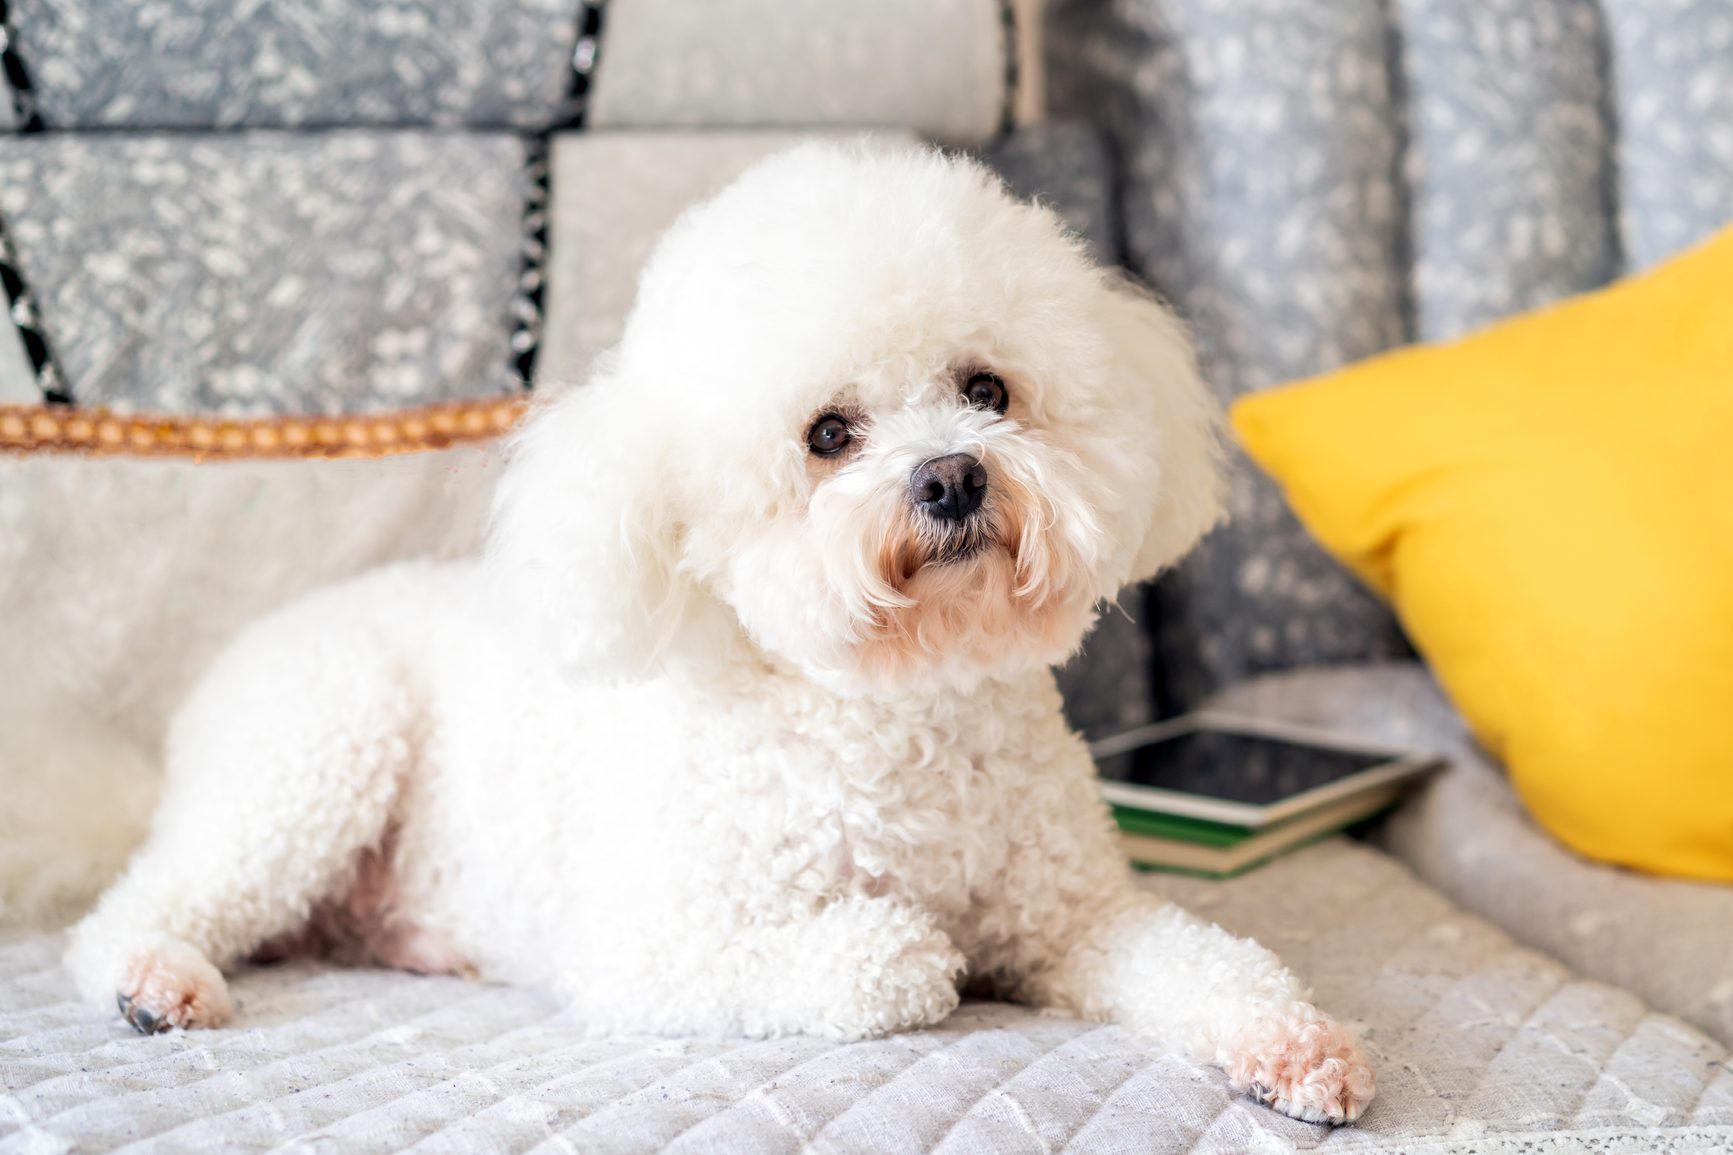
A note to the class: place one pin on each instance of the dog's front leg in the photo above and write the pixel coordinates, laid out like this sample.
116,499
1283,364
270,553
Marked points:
848,968
1076,934
1227,1001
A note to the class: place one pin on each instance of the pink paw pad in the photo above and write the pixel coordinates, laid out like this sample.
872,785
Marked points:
1308,1068
172,985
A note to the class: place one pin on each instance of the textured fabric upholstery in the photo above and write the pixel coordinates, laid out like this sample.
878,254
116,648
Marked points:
1313,183
613,195
268,272
1066,166
936,66
1467,835
217,64
1482,1048
17,381
940,66
1310,182
121,579
1497,228
259,273
1672,64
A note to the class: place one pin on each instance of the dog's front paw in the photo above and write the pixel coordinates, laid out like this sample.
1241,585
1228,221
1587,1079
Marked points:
1304,1065
915,987
172,985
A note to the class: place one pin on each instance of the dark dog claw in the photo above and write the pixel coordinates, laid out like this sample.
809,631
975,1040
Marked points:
141,1020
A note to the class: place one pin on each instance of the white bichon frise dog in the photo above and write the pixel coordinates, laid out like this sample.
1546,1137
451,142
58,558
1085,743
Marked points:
745,723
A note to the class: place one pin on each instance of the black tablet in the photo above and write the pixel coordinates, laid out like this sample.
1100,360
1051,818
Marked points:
1243,771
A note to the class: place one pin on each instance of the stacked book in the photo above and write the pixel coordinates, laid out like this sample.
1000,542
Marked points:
1216,794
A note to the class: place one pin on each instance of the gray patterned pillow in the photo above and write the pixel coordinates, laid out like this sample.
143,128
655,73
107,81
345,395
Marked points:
1313,183
1065,165
1259,152
1509,157
1673,105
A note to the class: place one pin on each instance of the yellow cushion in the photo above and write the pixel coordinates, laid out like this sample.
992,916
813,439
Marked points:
1549,506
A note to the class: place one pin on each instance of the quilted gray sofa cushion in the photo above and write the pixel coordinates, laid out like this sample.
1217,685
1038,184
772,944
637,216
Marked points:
1467,835
1481,1047
1312,183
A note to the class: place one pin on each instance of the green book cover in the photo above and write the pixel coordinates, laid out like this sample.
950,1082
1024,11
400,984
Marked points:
1198,830
1233,871
1161,841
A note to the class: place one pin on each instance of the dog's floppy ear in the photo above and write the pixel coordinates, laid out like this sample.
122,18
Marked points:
1159,381
584,543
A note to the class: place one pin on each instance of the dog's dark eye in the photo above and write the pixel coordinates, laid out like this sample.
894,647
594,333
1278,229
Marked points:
986,391
828,435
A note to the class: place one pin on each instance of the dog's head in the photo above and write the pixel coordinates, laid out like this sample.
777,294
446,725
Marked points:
873,415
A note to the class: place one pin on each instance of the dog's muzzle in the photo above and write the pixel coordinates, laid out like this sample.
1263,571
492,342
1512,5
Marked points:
949,488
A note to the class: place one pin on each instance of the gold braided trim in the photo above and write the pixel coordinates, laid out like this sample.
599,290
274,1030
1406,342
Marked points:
49,429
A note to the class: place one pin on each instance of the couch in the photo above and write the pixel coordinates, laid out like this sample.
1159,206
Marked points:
328,212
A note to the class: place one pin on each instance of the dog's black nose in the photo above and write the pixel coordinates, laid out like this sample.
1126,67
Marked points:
950,488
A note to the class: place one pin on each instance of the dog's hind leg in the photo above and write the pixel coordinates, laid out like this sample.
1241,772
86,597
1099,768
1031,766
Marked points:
283,768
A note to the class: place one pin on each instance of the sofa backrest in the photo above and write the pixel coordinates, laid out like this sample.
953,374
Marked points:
1313,182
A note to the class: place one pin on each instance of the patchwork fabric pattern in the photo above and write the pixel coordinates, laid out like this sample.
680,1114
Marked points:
1481,1047
27,365
263,273
260,273
945,68
217,64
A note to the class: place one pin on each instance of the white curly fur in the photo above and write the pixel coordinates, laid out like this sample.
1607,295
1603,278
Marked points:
724,736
